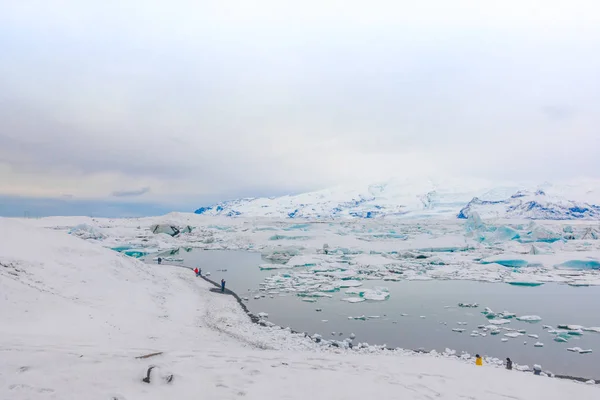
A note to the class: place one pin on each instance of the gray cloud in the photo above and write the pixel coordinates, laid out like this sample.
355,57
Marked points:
206,101
130,193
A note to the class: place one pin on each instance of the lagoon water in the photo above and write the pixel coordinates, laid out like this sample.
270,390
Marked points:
422,314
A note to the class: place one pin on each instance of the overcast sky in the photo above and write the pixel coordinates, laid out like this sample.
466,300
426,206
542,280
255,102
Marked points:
189,102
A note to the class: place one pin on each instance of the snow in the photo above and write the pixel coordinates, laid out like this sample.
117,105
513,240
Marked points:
76,315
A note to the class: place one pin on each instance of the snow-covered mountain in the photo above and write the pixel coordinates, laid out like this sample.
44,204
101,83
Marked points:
424,198
537,205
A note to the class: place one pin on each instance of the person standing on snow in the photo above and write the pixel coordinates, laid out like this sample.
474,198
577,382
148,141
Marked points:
222,285
508,364
478,360
199,271
196,272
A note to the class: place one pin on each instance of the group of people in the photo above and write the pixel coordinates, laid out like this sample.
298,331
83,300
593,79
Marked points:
479,362
198,272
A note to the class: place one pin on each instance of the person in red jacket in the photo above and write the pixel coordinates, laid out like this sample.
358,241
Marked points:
196,271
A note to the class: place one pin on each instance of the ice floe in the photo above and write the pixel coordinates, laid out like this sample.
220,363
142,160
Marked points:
529,318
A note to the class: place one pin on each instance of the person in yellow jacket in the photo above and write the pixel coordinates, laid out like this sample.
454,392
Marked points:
478,360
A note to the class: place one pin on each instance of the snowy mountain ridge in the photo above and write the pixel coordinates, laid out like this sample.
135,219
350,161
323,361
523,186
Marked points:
424,198
528,205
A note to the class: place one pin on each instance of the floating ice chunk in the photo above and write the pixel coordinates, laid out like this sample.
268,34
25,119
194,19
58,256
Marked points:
324,320
422,316
348,284
353,299
309,300
576,333
361,318
404,315
504,339
263,315
268,267
506,315
560,339
531,335
507,260
461,323
570,327
538,344
459,330
257,297
513,334
468,305
352,336
377,294
318,309
474,335
499,321
314,294
592,329
373,316
529,318
575,349
546,327
540,233
585,351
328,288
525,283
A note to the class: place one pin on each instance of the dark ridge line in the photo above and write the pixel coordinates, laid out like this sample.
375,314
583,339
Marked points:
256,320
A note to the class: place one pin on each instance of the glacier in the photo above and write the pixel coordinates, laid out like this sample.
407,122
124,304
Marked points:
426,198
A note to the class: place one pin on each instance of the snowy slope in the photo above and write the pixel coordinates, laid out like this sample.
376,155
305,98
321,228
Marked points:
75,316
417,198
529,205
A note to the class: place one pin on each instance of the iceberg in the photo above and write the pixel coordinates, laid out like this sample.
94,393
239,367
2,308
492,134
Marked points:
87,232
589,263
538,344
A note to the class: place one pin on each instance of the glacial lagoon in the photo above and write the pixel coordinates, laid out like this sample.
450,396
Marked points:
424,314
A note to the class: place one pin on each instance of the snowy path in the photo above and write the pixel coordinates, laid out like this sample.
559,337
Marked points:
75,316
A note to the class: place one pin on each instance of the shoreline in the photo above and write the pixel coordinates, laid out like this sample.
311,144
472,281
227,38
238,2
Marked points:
256,320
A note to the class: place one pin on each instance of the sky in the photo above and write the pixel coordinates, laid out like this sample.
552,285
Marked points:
150,105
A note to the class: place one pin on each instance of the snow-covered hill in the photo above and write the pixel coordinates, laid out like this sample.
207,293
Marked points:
424,198
527,205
